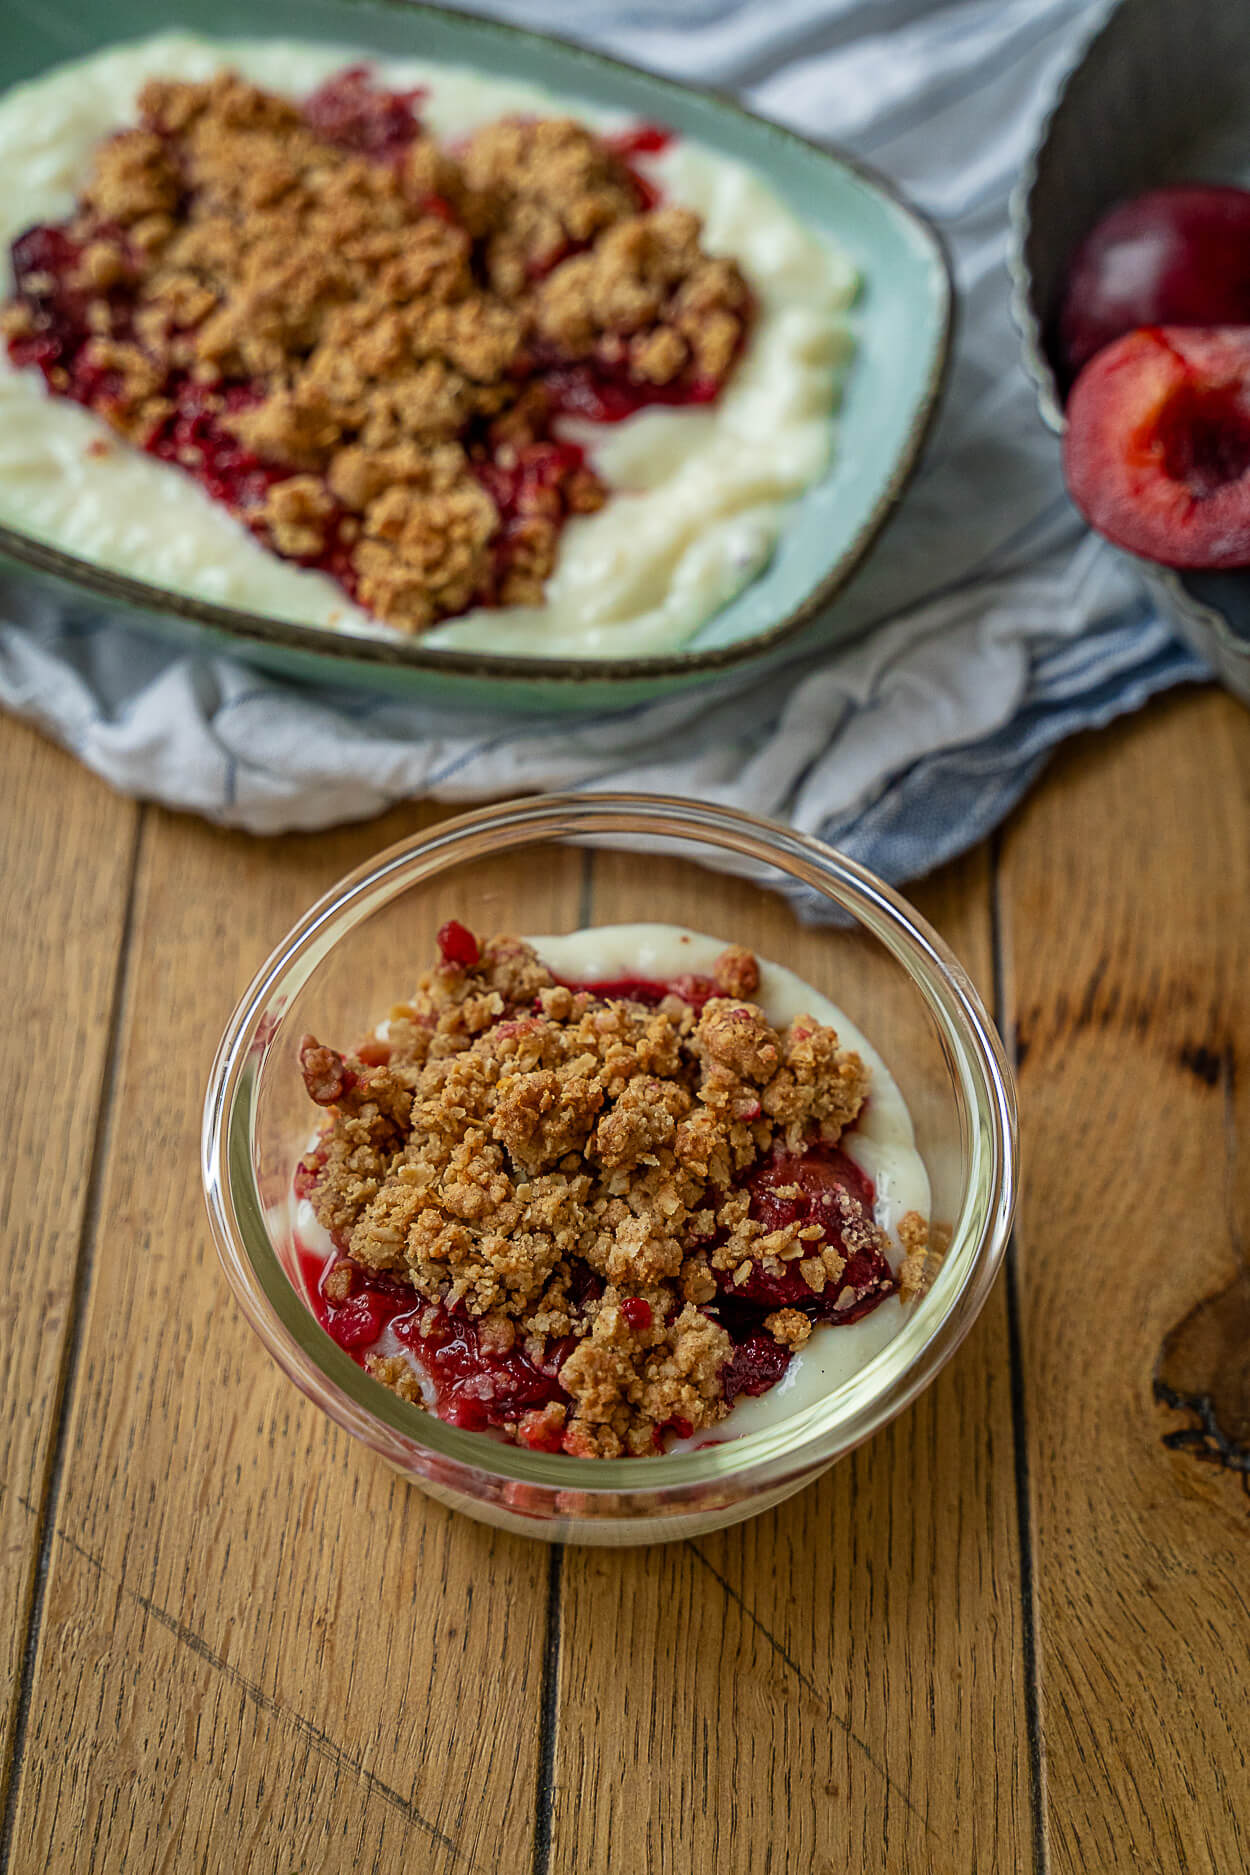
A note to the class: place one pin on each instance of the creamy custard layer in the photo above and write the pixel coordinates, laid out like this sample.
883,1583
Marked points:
699,497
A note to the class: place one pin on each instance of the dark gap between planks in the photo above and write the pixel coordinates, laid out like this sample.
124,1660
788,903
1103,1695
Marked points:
1024,1519
72,1347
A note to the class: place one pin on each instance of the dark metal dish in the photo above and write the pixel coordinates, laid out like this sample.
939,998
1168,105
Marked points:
1159,92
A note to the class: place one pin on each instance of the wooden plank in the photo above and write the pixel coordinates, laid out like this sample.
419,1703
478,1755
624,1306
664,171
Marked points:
837,1685
260,1651
66,858
1126,896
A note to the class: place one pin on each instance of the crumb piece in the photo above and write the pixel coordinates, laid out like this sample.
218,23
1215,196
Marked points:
296,512
339,1283
425,548
736,972
790,1327
737,1042
820,1083
326,1074
394,1372
922,1253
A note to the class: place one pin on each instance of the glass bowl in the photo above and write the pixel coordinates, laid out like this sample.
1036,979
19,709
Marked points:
360,948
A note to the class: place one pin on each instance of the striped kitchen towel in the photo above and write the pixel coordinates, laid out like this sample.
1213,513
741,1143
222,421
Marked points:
987,626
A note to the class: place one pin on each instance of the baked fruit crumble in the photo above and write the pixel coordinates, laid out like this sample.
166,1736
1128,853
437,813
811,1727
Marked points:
361,341
589,1217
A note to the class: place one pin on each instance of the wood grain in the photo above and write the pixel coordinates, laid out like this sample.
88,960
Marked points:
260,1650
257,1650
1126,899
838,1685
66,859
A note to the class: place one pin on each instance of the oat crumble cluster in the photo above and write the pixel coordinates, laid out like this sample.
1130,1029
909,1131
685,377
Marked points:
358,339
561,1176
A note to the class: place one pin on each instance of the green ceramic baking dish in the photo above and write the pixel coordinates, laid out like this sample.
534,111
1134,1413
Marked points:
902,330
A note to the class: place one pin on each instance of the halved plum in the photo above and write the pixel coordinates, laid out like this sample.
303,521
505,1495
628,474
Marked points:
1157,449
1177,256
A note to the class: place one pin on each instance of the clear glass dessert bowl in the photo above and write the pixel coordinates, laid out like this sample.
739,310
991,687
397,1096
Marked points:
360,948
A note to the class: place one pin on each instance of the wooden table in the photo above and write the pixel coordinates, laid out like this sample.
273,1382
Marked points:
1011,1634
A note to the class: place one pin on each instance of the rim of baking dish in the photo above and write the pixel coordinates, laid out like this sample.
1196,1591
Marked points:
408,654
815,1435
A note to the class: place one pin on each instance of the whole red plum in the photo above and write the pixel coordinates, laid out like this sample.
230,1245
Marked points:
1176,256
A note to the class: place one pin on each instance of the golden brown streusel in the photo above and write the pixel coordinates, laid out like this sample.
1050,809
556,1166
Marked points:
540,188
646,295
512,1131
372,326
788,1326
924,1246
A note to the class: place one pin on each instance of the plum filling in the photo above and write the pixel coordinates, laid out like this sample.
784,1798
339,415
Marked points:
823,1188
457,945
353,113
399,433
193,434
475,1379
756,1365
692,989
472,1386
603,395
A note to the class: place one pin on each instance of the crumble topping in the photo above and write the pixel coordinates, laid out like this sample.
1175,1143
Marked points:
647,297
360,340
790,1327
923,1247
605,1188
537,190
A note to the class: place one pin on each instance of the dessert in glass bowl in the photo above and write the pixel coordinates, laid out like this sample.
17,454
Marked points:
946,1097
402,348
624,1191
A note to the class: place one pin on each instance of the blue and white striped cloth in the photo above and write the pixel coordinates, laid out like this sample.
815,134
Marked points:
998,625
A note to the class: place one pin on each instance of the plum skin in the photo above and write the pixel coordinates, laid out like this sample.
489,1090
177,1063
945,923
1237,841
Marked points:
1175,256
1156,453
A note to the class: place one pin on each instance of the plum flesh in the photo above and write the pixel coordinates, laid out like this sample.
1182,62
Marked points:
1157,448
